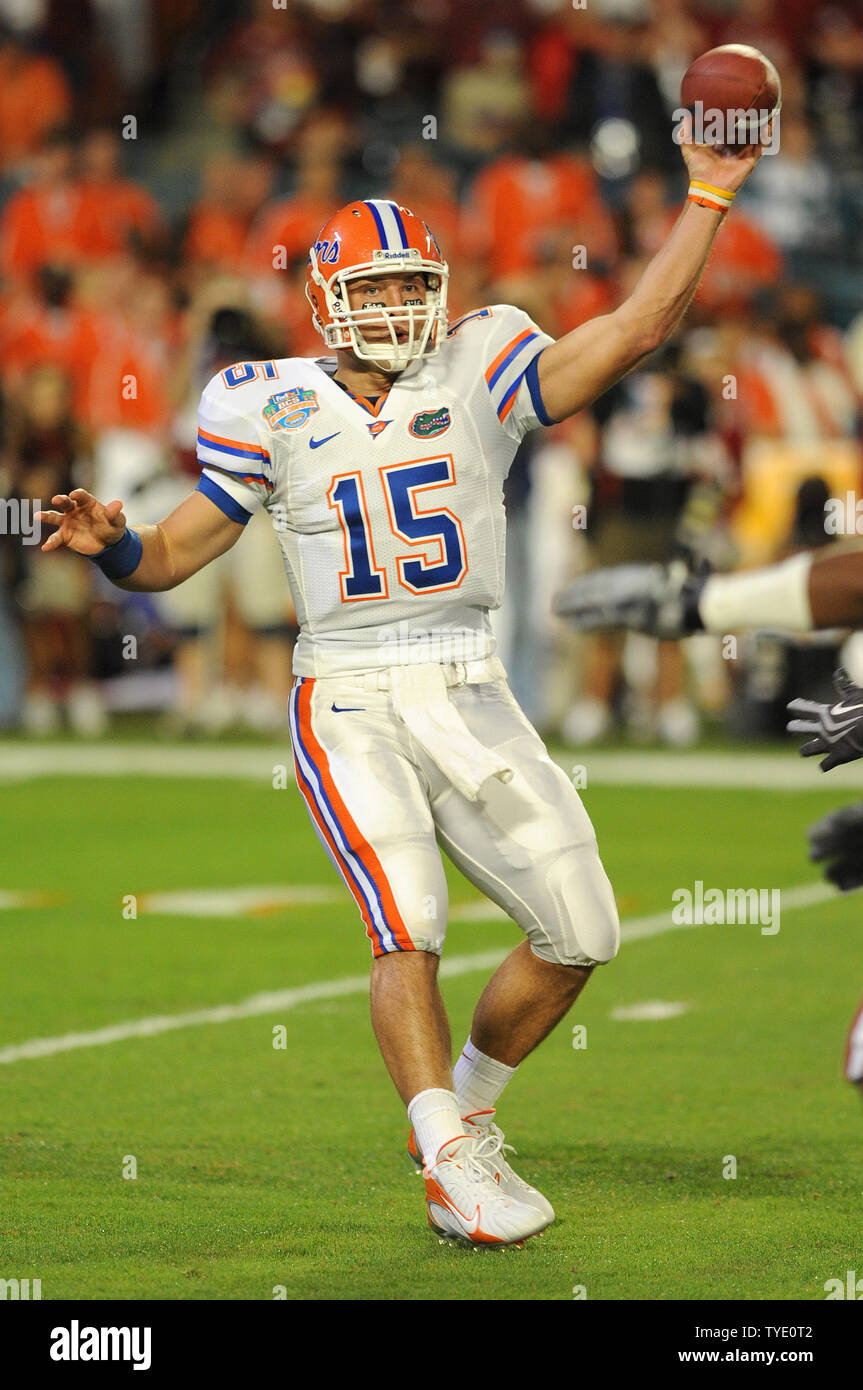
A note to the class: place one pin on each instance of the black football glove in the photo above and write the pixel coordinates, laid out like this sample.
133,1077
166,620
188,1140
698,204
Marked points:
838,838
838,728
661,600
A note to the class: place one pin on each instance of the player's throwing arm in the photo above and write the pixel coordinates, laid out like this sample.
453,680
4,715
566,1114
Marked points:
580,366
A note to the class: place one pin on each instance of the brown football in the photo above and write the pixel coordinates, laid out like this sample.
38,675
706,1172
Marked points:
732,79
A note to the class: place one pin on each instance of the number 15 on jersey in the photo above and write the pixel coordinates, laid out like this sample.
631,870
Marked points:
418,527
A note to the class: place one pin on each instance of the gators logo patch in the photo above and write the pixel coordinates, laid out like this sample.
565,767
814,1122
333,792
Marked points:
427,423
290,410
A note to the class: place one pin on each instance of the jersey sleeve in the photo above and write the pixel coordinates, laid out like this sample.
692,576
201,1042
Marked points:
237,472
511,348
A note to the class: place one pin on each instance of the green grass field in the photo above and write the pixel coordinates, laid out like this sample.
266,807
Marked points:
260,1167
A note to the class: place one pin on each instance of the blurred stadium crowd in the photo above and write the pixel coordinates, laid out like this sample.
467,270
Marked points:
164,166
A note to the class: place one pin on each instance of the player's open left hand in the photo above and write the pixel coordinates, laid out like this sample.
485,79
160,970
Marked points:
838,728
83,523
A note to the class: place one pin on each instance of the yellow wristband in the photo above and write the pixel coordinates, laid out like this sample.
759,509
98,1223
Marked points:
708,196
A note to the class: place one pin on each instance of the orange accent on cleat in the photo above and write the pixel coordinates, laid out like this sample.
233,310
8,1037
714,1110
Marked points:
413,1150
435,1193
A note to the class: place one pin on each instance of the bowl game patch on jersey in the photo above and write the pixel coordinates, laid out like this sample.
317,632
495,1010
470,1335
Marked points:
291,410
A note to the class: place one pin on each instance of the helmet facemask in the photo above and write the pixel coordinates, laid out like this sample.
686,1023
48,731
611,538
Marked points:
423,324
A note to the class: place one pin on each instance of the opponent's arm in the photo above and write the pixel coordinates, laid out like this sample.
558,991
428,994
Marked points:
810,591
836,589
193,534
584,363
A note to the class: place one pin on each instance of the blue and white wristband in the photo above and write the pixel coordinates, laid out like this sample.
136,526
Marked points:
121,559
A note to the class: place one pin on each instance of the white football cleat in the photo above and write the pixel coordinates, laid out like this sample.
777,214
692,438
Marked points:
480,1124
493,1149
466,1202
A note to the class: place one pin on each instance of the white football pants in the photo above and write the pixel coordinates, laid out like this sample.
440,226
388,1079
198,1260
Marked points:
382,806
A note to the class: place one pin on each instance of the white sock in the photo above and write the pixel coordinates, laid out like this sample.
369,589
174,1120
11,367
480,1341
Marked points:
436,1119
479,1080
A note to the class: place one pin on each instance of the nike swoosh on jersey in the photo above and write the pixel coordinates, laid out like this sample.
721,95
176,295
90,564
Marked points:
347,709
316,443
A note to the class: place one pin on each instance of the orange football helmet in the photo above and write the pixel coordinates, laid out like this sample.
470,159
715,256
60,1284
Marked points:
370,238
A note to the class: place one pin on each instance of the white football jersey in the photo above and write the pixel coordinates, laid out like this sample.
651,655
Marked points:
390,516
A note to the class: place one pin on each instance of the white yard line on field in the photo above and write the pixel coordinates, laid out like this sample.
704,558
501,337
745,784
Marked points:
649,1011
239,902
280,1001
21,762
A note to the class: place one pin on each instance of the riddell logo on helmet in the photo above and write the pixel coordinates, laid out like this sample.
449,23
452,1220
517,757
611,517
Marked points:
411,254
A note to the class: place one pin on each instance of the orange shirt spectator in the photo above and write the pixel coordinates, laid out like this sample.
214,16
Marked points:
46,225
786,399
129,386
118,212
292,223
33,333
216,237
34,98
132,377
588,296
51,220
234,191
518,205
744,260
120,209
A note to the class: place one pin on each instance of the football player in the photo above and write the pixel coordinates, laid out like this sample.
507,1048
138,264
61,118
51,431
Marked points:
382,467
810,591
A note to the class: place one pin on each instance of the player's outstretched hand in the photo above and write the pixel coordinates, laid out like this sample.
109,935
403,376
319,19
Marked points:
838,840
724,166
83,523
838,728
656,599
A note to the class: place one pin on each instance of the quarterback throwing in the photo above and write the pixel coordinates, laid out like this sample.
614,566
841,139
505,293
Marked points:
382,467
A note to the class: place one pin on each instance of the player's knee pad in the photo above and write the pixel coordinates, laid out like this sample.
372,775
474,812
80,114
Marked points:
580,925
